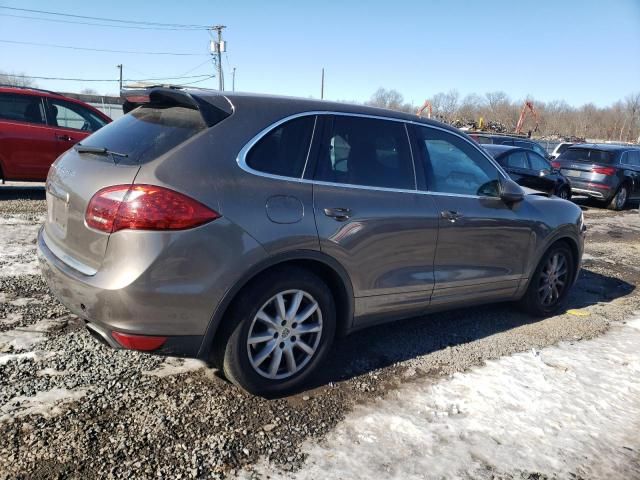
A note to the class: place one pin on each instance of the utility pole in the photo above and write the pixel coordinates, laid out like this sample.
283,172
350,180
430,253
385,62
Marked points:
233,80
217,48
120,68
322,85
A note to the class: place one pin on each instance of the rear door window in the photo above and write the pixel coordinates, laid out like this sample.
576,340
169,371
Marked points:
368,152
284,150
538,163
21,108
633,158
454,166
148,132
517,160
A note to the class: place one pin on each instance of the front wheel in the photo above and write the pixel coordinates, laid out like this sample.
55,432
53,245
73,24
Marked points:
283,327
549,286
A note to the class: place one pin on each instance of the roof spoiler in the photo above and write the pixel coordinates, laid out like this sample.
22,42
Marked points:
213,109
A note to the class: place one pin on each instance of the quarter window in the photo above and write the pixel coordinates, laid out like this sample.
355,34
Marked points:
21,108
366,151
284,150
453,165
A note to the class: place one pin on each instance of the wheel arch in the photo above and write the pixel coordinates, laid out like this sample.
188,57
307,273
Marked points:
327,268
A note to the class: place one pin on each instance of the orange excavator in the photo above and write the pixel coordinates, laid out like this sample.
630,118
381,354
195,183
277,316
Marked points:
528,105
425,106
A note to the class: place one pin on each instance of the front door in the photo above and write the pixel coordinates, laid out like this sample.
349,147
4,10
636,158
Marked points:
483,243
370,217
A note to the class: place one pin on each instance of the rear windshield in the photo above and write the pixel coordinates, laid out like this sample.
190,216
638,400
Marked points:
148,132
563,146
587,155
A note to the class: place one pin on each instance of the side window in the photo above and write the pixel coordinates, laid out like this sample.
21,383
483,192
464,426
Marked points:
452,165
69,115
517,160
366,151
284,150
21,108
633,158
537,162
501,141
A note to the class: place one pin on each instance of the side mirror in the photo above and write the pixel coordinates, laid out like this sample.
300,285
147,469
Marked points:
510,191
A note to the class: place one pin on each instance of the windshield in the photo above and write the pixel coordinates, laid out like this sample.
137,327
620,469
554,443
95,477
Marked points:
586,155
148,132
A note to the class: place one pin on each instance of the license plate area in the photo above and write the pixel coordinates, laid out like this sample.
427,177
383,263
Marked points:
58,211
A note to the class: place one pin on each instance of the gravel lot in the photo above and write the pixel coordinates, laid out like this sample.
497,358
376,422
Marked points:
72,408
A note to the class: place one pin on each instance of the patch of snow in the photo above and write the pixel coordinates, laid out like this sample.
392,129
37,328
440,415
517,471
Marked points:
24,338
24,301
48,404
176,366
51,372
17,244
11,318
564,411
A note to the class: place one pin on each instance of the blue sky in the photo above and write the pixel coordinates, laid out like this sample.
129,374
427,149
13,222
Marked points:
578,51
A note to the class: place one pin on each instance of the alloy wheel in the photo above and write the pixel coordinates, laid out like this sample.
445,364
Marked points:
621,198
553,279
284,335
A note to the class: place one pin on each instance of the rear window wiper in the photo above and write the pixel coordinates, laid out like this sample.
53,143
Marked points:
99,151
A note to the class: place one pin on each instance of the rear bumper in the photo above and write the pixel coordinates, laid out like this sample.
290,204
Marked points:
600,191
171,294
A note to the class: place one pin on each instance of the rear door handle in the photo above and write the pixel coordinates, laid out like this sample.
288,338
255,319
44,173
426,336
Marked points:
65,138
451,215
339,214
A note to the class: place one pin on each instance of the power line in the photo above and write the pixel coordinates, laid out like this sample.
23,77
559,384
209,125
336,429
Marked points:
111,79
134,22
133,52
136,27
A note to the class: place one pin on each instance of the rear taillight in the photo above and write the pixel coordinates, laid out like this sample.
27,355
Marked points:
145,207
604,170
555,164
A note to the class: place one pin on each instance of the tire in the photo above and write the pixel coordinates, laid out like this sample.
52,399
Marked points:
565,193
535,301
248,366
620,199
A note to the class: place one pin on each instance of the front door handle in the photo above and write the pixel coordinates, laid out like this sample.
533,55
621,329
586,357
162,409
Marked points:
65,138
339,214
451,215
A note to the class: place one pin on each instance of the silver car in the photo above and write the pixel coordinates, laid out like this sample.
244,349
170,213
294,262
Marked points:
251,230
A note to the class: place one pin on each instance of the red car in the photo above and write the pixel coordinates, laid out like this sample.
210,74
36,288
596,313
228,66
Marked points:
36,126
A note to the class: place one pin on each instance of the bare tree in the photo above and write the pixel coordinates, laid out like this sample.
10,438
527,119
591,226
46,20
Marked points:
16,80
391,99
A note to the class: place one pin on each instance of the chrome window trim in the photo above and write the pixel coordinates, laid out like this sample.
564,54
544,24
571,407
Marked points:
241,159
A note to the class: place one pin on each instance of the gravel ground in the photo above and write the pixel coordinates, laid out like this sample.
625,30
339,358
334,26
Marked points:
73,408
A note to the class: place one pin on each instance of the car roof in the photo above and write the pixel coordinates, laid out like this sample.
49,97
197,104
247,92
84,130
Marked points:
499,150
607,147
500,135
313,105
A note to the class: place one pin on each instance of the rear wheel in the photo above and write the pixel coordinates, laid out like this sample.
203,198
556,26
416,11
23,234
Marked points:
619,200
549,286
283,327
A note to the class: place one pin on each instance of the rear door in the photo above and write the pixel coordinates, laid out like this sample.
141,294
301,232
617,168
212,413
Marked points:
26,141
517,166
369,215
482,242
542,177
632,160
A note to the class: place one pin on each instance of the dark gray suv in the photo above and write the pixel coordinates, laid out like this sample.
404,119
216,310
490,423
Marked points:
252,230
